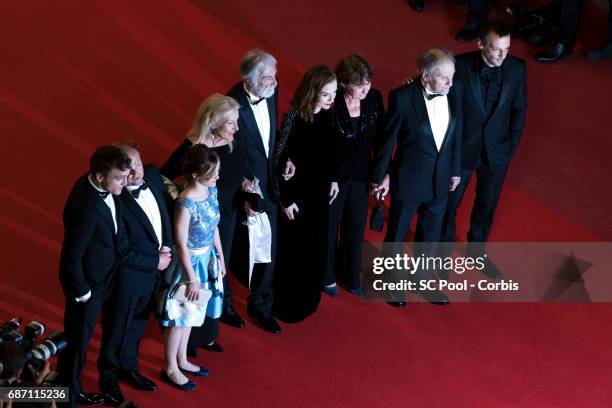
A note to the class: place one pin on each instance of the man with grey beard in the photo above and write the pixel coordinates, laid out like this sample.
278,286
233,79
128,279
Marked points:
257,94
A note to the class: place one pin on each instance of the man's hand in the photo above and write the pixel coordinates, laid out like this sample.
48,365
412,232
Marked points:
454,183
289,170
333,191
291,211
382,188
164,258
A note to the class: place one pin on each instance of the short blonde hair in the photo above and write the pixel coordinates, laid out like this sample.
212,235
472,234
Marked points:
211,114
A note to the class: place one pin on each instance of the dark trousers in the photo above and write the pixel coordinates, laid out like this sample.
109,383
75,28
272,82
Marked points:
259,302
79,322
478,10
569,17
130,310
489,183
350,206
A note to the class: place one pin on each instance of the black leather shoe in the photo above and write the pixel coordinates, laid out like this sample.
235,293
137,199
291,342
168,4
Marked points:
554,53
417,5
215,347
491,270
188,386
332,291
112,393
269,325
137,380
459,2
89,398
601,54
398,305
231,318
469,32
202,372
435,297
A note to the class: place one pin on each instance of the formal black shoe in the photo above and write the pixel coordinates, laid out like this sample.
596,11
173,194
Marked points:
215,347
435,297
89,398
554,53
231,318
112,393
459,2
188,386
269,325
202,372
332,291
398,305
603,53
137,380
417,5
491,270
357,292
469,32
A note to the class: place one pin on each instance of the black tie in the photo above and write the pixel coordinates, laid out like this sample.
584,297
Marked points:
489,70
136,193
257,101
103,194
432,96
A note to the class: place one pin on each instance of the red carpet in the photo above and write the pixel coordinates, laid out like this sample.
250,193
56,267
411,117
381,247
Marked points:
78,74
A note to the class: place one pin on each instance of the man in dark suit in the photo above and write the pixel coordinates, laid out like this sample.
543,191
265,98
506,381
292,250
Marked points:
149,232
424,120
494,109
257,95
94,239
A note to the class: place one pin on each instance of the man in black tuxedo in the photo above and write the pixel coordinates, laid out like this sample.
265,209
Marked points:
494,110
424,120
149,233
257,95
94,241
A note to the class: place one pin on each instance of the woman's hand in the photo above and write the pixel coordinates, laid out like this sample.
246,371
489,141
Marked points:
291,211
223,271
193,291
333,191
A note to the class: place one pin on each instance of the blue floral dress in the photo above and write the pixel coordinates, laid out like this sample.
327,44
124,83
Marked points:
203,220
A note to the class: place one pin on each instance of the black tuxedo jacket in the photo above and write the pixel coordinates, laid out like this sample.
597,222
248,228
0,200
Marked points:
499,134
139,264
91,250
249,138
351,154
418,171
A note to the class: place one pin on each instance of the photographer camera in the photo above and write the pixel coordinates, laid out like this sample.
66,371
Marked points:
13,364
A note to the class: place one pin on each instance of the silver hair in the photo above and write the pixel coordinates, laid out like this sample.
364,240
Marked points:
430,60
253,62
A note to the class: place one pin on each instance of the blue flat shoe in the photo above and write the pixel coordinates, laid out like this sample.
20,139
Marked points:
203,372
332,291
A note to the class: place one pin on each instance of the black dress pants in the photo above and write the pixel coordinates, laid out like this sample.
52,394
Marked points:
79,323
350,209
129,310
489,183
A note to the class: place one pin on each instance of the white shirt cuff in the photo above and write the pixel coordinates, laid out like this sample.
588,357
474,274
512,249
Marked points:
85,297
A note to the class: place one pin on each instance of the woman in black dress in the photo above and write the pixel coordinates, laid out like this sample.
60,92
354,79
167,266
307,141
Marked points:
214,126
358,121
302,232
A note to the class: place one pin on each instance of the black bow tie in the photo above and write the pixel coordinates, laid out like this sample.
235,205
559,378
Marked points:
257,101
143,187
432,96
103,194
489,70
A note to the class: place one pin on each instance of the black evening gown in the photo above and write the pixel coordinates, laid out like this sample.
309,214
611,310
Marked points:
302,243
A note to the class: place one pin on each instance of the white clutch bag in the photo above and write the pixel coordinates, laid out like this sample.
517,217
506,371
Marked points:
180,295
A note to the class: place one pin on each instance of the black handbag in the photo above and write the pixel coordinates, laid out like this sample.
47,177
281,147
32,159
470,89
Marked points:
377,218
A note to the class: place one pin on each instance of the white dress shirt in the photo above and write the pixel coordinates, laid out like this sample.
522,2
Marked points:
146,200
439,116
262,118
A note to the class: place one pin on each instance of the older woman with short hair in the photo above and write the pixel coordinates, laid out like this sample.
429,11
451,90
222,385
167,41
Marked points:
358,119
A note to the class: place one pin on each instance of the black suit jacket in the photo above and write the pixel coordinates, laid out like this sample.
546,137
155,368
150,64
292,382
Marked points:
249,138
91,250
351,154
139,264
499,134
419,172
